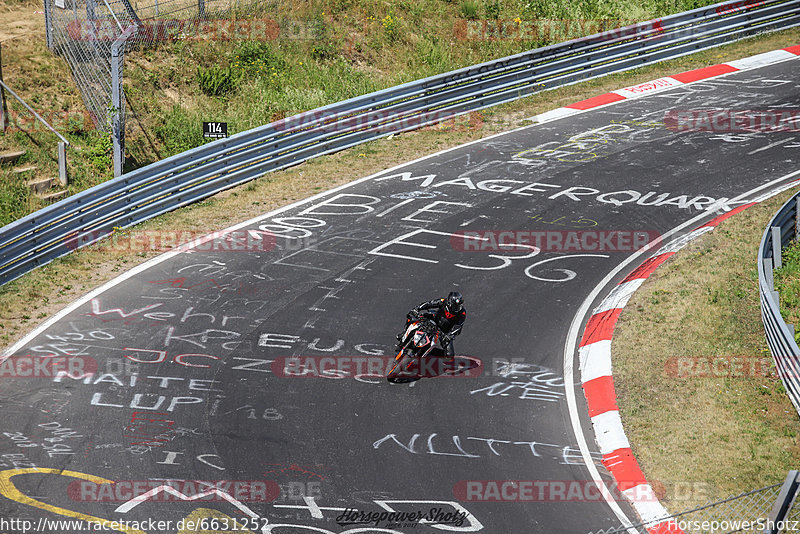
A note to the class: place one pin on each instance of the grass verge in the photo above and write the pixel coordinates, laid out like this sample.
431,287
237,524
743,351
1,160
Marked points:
324,51
700,400
25,302
787,282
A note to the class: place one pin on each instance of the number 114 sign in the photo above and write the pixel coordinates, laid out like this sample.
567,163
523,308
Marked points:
215,130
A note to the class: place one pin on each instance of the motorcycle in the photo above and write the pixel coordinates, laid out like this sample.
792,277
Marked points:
420,338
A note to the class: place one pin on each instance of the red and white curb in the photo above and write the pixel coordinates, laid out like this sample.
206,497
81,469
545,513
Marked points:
598,384
669,82
594,349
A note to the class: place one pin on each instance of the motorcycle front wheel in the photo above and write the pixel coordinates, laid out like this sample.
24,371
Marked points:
402,372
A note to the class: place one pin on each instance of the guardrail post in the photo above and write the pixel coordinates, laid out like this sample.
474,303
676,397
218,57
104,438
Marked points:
776,247
62,163
796,217
768,273
782,504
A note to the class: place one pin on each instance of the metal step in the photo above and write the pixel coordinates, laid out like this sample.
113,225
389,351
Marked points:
11,157
41,185
53,197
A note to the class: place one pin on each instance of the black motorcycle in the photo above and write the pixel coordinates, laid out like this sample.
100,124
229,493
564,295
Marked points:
420,338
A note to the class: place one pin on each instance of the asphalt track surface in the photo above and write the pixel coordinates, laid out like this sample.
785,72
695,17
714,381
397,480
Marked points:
190,350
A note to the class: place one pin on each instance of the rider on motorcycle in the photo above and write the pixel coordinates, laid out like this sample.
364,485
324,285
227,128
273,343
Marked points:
448,314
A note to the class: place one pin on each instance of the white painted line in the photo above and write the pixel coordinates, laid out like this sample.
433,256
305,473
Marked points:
558,113
677,244
761,60
619,296
595,360
167,255
648,508
573,336
609,432
570,343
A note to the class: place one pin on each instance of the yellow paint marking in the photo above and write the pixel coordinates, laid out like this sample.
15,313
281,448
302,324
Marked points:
215,519
9,490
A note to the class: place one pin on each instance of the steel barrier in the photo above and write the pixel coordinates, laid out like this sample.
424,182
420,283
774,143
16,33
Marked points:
780,231
179,180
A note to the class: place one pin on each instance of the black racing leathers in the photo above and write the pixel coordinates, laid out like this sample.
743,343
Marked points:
449,324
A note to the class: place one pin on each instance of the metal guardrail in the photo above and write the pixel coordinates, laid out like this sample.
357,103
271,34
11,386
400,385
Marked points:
781,230
203,171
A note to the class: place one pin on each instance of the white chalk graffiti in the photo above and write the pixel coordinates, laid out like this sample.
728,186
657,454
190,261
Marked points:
564,454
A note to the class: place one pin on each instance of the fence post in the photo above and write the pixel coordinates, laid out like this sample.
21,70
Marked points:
776,247
201,9
48,23
3,108
116,98
62,163
782,504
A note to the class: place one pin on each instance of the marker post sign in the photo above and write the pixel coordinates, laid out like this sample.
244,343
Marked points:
215,130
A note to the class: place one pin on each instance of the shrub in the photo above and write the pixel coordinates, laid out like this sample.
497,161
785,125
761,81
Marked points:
217,81
469,9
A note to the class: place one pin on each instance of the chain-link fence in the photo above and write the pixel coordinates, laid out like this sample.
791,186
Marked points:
746,513
93,36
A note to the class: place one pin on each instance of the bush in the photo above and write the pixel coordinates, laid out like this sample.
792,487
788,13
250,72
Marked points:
492,10
323,51
217,81
469,9
391,27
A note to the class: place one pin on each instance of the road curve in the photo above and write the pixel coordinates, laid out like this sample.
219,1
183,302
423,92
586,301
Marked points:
210,365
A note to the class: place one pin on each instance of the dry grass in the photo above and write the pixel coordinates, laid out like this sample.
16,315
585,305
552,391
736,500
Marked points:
733,433
52,287
727,434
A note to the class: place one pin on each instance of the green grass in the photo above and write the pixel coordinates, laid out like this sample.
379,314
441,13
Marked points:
787,282
329,51
326,51
730,430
